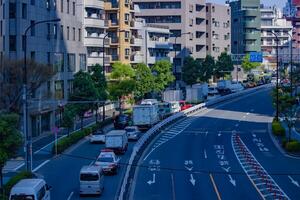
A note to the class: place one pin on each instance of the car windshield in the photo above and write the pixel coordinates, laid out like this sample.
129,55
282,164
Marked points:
89,177
106,159
98,133
130,129
22,197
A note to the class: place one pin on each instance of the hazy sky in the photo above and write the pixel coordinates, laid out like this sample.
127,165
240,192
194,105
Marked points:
280,3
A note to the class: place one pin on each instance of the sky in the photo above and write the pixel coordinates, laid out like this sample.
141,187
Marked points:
280,3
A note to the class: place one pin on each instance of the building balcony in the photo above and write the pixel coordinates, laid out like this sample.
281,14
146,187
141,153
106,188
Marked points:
251,24
137,58
135,8
153,59
160,44
136,24
136,42
94,22
252,36
94,4
96,41
252,12
93,60
108,6
114,41
111,24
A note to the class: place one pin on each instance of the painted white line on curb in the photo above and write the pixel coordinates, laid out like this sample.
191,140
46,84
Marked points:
41,165
70,196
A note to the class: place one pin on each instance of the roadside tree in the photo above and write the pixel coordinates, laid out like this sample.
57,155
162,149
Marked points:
191,71
247,65
207,68
224,65
163,75
144,81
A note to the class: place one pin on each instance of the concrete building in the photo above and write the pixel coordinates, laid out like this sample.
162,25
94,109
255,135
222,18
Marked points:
57,44
218,29
294,17
272,21
245,20
182,17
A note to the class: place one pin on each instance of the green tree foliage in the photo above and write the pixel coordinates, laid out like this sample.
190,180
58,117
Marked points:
122,81
207,68
10,139
100,83
144,81
163,76
247,65
224,65
68,117
191,71
83,90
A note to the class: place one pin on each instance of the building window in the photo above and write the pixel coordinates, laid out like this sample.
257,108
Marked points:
48,58
61,32
23,42
127,52
3,43
48,31
70,86
68,6
74,8
68,33
32,55
213,9
199,47
24,10
82,62
199,7
12,43
3,11
32,28
48,6
1,30
177,47
55,31
61,5
32,2
58,62
74,34
71,63
79,34
59,89
175,33
12,10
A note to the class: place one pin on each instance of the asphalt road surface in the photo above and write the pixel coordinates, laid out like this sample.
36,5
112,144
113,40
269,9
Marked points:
225,152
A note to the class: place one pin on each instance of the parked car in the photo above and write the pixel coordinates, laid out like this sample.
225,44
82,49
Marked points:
149,102
98,137
121,121
30,189
212,91
133,132
91,180
108,161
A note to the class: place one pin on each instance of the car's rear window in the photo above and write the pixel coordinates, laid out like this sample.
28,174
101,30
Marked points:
89,177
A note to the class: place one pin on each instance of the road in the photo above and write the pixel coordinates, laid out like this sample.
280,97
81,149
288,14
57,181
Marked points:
225,152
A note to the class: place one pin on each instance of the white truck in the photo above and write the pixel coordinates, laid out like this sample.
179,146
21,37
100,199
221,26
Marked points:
117,141
145,116
197,93
172,95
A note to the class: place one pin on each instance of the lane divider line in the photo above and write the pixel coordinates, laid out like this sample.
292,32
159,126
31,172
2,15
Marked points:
215,186
40,166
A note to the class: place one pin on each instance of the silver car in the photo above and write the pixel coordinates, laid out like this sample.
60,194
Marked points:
133,132
98,137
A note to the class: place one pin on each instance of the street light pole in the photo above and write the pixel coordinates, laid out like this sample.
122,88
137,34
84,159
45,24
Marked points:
103,71
175,57
28,138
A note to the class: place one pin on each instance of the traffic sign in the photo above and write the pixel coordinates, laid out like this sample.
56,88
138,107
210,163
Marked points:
256,57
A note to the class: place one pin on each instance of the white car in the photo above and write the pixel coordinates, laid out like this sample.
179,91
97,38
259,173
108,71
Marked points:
108,161
212,91
133,132
98,137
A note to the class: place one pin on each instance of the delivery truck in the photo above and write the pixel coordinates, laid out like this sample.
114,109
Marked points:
145,116
117,141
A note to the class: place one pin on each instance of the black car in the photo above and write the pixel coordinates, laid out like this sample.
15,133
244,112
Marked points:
121,121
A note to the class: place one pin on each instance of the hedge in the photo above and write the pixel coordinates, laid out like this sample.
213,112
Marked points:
14,180
277,128
292,146
73,138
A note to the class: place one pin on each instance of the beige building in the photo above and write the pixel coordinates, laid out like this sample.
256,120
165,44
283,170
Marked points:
182,17
218,29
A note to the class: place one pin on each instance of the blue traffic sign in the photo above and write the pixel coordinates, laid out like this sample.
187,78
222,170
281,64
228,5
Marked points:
256,57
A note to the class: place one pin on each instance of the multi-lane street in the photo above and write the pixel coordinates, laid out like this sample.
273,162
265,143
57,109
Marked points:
225,152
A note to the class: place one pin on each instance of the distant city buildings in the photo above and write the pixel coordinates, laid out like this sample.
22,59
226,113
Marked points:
218,29
245,25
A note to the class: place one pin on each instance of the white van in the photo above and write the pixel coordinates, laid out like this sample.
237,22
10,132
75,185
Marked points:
30,189
91,180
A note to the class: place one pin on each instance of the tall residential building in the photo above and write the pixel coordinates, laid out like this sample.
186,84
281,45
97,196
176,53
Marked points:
272,21
218,29
245,22
58,44
182,17
295,19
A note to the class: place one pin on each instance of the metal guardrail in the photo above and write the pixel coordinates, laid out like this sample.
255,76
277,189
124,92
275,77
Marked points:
151,133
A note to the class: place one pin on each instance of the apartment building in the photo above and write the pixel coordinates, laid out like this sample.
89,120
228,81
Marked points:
182,17
272,21
245,22
59,44
218,29
294,16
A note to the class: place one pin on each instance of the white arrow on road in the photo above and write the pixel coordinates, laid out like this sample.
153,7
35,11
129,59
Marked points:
226,169
205,154
193,181
232,181
294,181
189,168
150,182
219,134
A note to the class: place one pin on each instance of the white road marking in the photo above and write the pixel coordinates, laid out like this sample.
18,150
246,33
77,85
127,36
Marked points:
150,182
70,196
173,187
192,180
294,181
205,155
231,180
40,166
